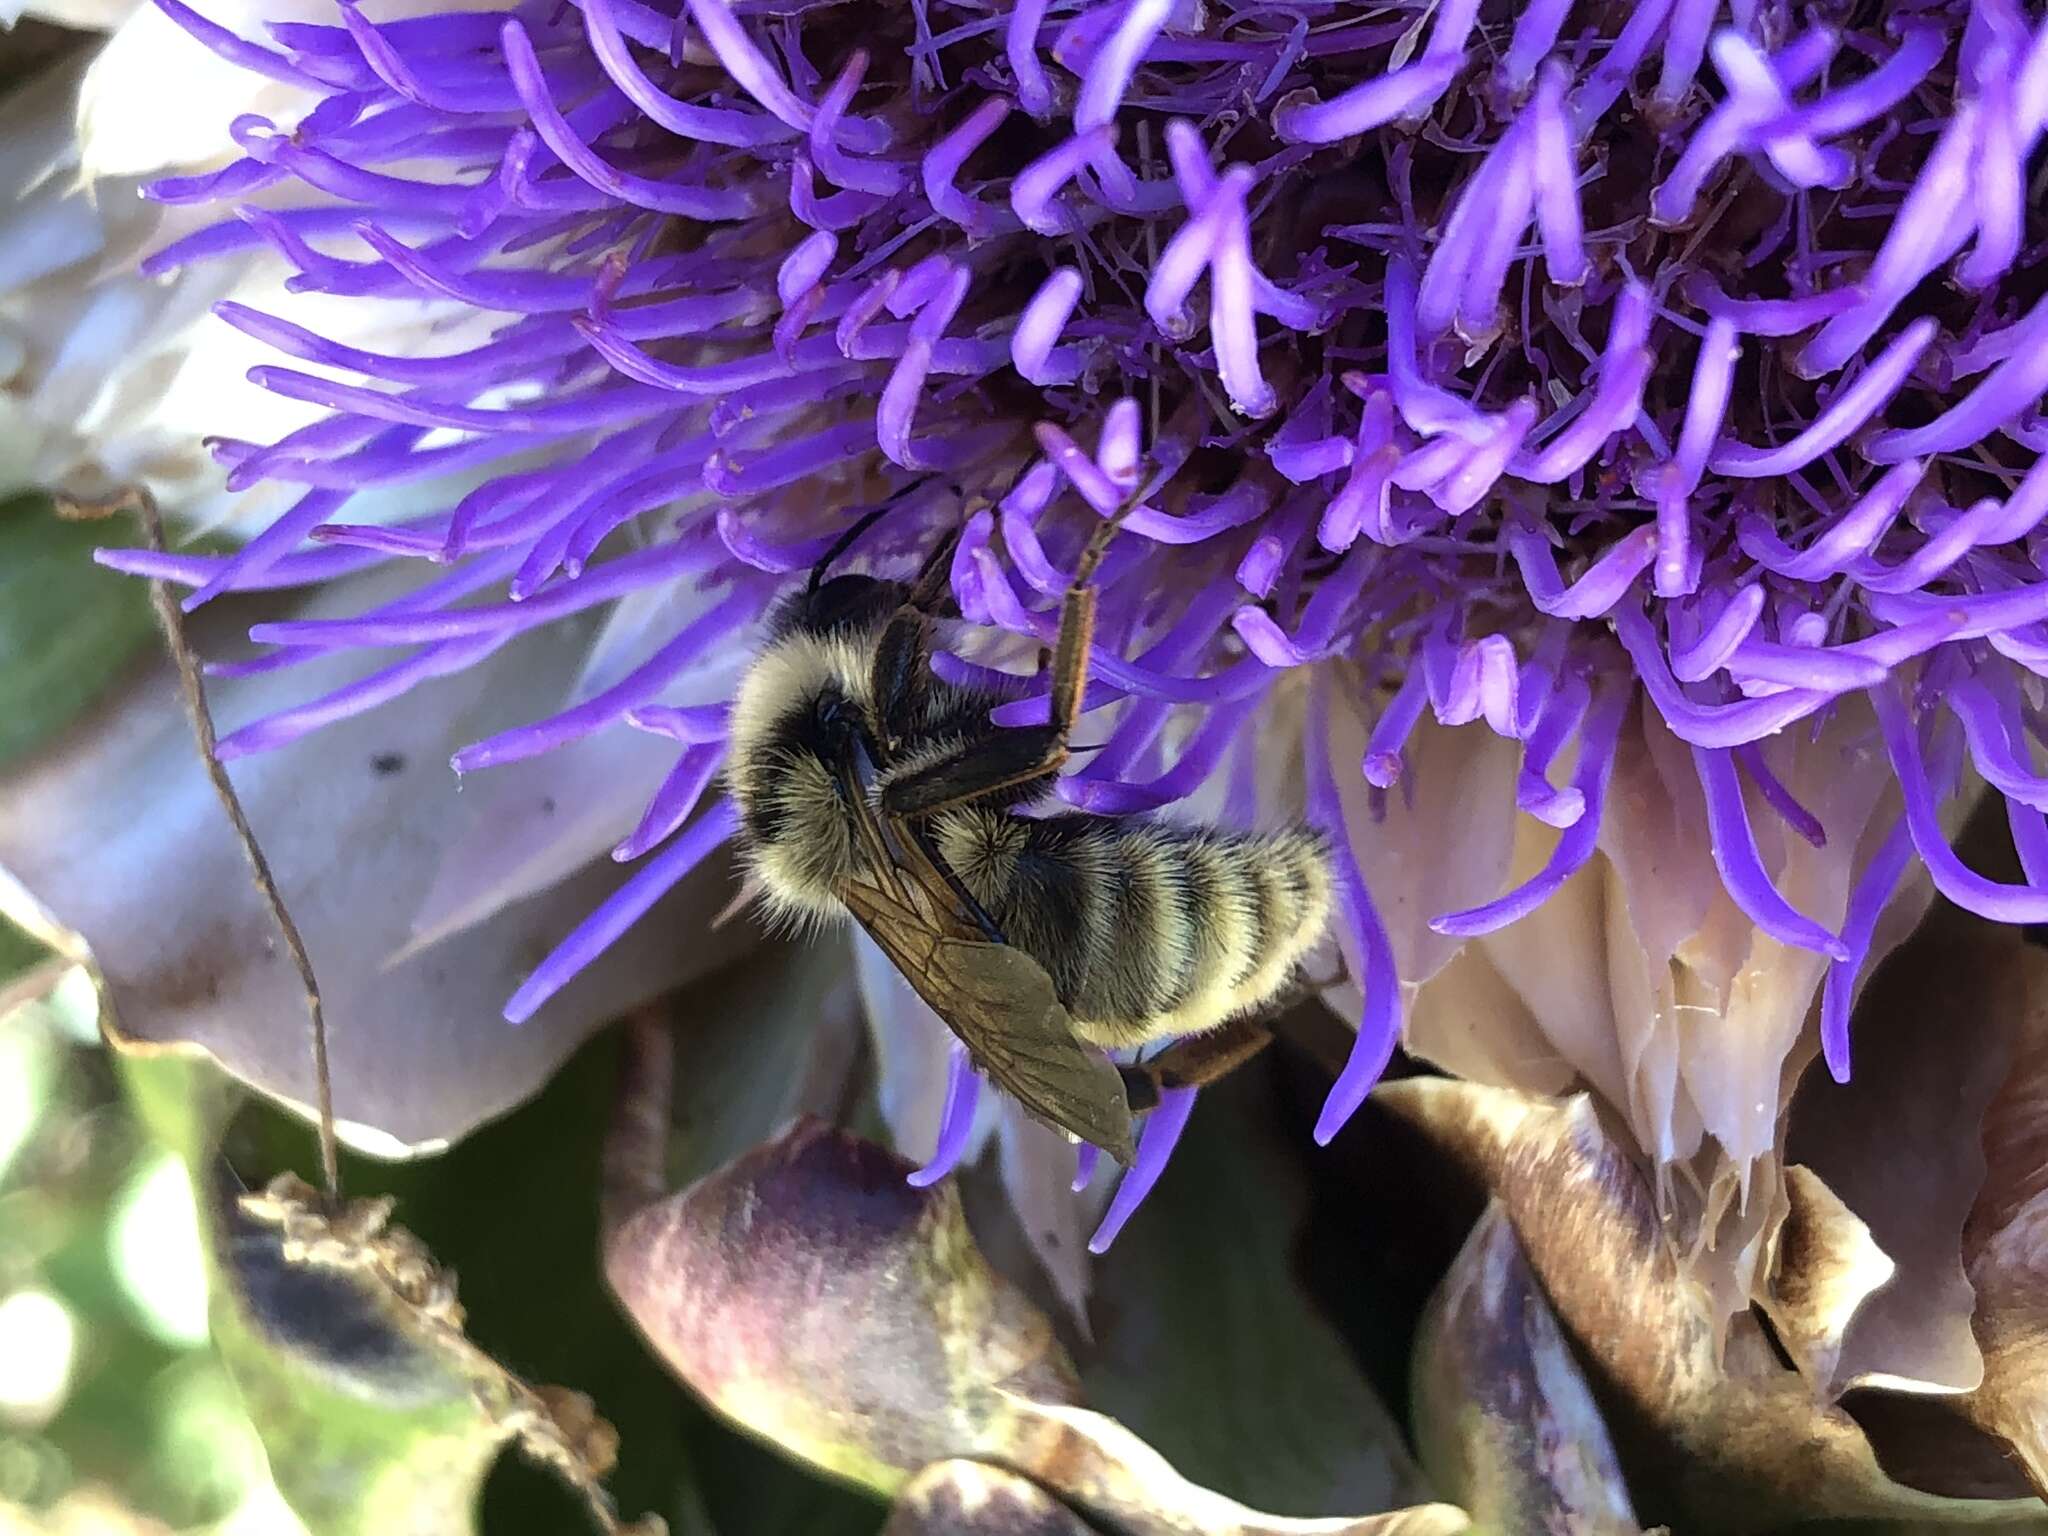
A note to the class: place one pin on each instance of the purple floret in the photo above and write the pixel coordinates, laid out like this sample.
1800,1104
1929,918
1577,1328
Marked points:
1545,366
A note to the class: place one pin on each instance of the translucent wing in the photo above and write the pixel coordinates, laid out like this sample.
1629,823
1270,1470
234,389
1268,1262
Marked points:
1001,1004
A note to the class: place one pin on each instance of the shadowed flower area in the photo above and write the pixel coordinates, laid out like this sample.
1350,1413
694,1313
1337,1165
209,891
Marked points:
1587,457
813,1296
1879,1375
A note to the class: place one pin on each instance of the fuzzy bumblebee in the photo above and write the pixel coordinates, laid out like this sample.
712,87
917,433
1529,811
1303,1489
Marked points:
869,787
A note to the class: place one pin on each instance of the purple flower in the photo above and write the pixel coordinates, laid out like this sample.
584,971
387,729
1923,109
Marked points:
1630,416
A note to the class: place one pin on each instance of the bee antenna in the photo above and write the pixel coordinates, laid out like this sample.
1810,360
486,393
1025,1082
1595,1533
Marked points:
861,525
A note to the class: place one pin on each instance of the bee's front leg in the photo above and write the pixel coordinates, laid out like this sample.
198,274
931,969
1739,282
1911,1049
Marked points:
901,675
999,769
1006,765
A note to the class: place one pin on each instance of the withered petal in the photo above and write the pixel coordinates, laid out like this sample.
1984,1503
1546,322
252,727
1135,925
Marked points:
2011,1276
972,1498
2005,1243
2015,1138
346,1340
1828,1265
1897,1144
1503,1417
1709,1441
1102,1468
121,856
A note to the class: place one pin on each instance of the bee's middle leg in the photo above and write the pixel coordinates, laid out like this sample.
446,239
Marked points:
1004,767
1069,660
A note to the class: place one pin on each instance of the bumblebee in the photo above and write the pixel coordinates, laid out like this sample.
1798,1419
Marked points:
869,787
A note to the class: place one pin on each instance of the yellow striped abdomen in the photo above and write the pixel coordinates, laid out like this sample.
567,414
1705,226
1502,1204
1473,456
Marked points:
1149,929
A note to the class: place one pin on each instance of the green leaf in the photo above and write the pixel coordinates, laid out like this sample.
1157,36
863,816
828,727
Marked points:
17,952
1211,1349
66,626
371,1424
379,1413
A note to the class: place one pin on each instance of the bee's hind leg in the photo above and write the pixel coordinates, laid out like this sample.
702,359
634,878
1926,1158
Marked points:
1194,1062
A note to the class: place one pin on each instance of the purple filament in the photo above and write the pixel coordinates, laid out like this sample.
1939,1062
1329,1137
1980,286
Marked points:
1590,778
673,802
1087,1157
1742,867
1155,1146
1866,903
621,910
956,1121
1361,936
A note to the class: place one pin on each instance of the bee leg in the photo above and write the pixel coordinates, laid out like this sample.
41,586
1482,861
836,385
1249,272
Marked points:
901,675
1069,665
1194,1062
1004,766
1077,623
918,843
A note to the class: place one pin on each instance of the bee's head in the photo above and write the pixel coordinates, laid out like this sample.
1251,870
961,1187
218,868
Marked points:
842,605
846,603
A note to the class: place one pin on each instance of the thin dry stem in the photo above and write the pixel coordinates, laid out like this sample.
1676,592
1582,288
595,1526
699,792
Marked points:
191,685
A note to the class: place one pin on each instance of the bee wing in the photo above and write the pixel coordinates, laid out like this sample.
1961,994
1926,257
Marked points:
1001,1004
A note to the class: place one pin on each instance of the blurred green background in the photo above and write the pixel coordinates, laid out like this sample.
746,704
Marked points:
116,1415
